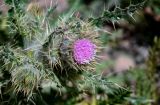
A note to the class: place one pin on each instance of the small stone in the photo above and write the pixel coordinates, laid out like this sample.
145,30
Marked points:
123,63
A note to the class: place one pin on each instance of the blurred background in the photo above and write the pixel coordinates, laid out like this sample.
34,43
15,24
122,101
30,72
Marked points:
131,54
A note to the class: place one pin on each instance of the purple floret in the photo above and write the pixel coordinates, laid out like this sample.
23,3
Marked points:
83,51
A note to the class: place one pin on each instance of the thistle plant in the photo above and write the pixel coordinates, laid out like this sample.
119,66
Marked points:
153,70
39,55
119,13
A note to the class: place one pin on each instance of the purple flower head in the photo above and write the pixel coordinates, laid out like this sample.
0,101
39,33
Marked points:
84,51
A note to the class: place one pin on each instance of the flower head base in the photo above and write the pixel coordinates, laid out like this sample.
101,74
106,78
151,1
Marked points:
84,51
